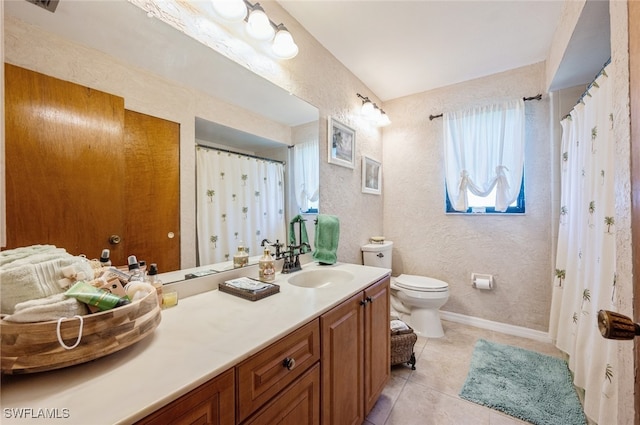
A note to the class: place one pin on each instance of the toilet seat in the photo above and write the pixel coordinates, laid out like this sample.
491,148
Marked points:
421,283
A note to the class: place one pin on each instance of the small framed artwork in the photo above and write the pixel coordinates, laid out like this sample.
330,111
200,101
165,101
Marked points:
342,144
371,176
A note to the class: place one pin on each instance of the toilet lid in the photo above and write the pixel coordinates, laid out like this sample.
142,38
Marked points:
420,283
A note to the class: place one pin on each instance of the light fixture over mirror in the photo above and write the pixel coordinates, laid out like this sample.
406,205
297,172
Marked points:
258,25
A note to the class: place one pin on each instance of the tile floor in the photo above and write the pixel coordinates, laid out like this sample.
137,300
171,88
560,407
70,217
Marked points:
429,394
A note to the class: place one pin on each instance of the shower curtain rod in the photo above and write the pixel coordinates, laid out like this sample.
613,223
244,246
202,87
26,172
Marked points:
209,148
536,97
586,92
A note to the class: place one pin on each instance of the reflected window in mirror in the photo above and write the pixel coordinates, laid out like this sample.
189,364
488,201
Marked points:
306,176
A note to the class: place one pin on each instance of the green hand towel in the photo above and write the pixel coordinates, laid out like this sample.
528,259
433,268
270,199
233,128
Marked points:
326,241
303,233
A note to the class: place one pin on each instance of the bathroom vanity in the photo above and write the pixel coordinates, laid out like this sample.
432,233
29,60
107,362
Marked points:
306,355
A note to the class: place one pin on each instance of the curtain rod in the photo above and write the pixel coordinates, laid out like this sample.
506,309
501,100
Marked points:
591,84
536,97
209,148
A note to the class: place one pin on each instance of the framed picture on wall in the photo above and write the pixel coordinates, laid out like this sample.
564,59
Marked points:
371,176
342,144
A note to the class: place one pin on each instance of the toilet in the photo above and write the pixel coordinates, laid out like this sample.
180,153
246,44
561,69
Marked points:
415,299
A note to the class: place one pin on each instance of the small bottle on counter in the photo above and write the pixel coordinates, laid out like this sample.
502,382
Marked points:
135,273
241,258
105,258
266,267
152,278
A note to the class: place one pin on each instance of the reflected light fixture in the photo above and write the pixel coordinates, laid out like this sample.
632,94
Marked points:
372,112
258,25
230,10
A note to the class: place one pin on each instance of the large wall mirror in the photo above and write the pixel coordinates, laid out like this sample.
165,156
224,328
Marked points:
114,47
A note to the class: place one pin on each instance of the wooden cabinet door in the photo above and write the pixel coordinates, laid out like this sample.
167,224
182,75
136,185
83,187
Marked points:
152,188
377,342
342,357
299,404
211,403
64,163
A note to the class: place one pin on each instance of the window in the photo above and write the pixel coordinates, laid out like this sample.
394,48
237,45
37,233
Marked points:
487,204
484,159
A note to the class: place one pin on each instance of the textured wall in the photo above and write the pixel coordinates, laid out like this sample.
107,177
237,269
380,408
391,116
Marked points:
515,249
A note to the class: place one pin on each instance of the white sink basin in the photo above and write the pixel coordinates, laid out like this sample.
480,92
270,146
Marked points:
318,278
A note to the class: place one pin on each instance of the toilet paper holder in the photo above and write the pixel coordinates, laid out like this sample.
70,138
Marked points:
482,281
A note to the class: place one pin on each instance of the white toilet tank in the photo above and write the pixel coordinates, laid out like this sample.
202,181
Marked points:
377,254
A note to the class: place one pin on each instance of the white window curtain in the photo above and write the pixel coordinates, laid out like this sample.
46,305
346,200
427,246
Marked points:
239,199
483,149
306,175
585,276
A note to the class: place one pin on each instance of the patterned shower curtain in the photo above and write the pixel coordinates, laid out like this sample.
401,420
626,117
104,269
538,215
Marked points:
240,200
585,275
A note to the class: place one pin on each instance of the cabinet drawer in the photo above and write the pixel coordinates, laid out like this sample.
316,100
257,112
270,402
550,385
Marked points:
263,375
299,404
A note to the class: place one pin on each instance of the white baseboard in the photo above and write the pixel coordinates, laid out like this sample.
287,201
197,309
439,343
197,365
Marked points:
496,326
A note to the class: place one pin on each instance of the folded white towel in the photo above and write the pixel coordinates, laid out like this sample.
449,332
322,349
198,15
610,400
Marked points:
35,275
45,309
398,325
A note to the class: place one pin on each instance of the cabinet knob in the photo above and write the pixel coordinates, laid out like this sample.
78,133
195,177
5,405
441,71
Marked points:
114,239
369,299
289,363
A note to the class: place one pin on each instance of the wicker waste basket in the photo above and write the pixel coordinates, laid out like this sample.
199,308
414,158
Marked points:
402,342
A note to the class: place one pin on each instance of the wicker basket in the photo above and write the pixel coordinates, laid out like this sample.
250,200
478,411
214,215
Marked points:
402,343
34,347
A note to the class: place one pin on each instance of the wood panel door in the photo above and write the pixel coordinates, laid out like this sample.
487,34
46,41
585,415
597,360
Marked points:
377,342
79,169
64,162
152,188
634,94
342,330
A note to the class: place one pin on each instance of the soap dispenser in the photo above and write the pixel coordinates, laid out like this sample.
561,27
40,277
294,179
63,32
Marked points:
267,267
241,258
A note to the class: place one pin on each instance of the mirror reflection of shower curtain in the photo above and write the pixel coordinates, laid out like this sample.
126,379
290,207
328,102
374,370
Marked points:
240,199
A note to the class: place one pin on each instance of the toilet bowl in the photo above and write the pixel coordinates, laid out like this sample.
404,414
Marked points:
415,299
420,298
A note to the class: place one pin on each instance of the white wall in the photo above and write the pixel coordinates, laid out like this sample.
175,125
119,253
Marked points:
515,249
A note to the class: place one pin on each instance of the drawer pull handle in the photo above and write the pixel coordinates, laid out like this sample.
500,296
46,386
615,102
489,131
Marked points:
289,363
366,300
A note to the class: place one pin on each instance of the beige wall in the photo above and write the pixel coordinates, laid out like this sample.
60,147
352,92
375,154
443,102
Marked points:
515,249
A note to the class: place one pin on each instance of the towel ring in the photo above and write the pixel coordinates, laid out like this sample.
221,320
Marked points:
79,333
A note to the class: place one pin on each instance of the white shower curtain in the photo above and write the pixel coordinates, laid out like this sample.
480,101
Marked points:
585,276
240,199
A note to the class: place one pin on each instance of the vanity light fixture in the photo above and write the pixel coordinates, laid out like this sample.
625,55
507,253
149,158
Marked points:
373,113
258,25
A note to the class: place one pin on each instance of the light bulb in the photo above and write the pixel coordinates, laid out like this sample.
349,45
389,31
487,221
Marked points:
384,120
375,115
230,10
258,25
367,109
283,45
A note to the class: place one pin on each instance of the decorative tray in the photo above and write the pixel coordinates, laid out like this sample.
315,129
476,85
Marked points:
262,289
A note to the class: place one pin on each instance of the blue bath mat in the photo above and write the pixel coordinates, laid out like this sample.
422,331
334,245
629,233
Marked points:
524,384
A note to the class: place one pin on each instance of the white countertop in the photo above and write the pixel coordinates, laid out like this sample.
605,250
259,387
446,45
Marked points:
204,335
